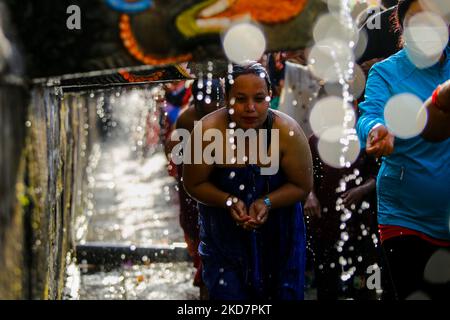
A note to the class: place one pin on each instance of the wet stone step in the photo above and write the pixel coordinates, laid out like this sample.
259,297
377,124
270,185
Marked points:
155,281
115,255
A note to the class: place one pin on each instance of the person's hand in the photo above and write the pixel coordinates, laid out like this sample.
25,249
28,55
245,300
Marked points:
299,57
258,212
380,142
238,211
353,196
366,65
312,206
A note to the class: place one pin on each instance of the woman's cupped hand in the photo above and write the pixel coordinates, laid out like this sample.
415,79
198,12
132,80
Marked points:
249,218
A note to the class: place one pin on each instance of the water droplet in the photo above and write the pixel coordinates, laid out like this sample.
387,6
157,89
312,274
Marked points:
405,116
330,26
344,236
329,58
332,112
437,270
342,261
243,42
426,36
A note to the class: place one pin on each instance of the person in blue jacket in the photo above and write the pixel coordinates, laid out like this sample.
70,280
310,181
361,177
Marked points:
413,184
252,230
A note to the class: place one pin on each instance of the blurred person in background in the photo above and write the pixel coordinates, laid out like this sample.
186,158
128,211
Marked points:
413,188
201,104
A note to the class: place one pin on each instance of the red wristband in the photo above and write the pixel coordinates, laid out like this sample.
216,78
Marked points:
434,98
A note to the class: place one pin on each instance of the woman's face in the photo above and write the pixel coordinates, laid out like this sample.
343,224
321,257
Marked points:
418,47
249,97
416,8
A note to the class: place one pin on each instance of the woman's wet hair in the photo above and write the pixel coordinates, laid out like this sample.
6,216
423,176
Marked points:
398,18
400,13
252,67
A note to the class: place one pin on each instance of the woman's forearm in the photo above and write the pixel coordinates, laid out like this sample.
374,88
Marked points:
438,109
287,195
369,186
443,98
208,194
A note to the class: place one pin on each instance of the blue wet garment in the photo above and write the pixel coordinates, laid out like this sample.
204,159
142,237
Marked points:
172,113
413,185
252,265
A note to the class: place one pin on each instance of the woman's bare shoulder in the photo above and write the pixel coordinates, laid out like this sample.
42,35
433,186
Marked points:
186,118
286,124
216,119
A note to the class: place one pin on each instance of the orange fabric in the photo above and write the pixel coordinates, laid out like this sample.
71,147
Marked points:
434,98
266,11
130,43
388,232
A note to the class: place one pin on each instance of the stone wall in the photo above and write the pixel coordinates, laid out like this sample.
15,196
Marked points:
13,108
13,112
44,153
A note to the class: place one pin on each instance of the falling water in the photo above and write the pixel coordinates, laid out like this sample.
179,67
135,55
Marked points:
131,204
